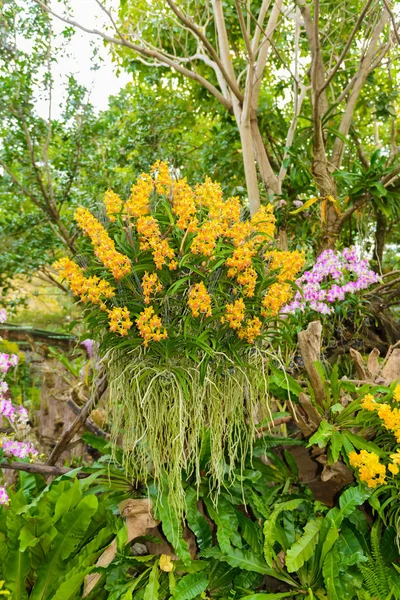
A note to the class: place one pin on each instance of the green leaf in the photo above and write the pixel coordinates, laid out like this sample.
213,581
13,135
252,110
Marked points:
323,434
27,539
246,560
190,586
270,533
71,586
225,518
250,532
285,381
151,590
330,572
336,445
18,566
262,596
303,549
172,527
71,530
351,498
196,521
362,444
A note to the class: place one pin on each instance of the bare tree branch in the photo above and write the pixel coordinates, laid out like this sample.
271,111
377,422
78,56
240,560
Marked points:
362,74
395,30
347,46
208,46
155,54
67,436
45,470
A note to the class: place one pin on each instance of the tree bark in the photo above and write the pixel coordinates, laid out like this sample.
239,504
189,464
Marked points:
380,233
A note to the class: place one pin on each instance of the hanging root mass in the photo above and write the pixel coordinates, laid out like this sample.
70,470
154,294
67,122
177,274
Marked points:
161,414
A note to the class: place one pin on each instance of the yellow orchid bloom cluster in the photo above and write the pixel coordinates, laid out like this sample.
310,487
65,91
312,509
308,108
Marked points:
139,202
89,289
389,416
113,204
199,300
370,469
119,320
277,296
104,246
288,264
150,327
190,228
151,285
150,238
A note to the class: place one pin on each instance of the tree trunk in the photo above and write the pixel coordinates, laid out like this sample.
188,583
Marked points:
380,232
268,177
250,170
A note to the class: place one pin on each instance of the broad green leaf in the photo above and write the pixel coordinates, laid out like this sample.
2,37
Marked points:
67,501
196,521
323,434
362,444
329,533
18,566
270,524
330,573
72,528
250,532
71,586
151,590
286,381
351,498
262,596
247,560
303,549
336,445
190,586
226,520
27,539
172,528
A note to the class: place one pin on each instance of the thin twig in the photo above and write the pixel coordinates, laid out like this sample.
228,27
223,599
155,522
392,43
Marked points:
78,422
45,470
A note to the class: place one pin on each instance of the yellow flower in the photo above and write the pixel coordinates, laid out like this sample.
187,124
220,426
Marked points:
199,300
183,205
287,263
390,418
103,245
151,285
241,259
209,195
369,468
163,178
396,457
251,330
238,232
263,223
234,314
166,563
150,238
139,201
393,468
119,320
149,325
91,289
113,204
278,294
248,279
396,393
368,403
206,238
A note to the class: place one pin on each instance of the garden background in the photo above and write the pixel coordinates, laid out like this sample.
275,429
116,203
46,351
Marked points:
200,292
